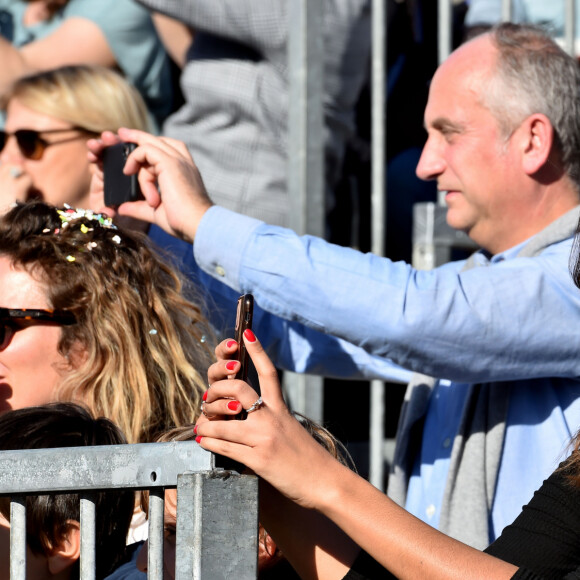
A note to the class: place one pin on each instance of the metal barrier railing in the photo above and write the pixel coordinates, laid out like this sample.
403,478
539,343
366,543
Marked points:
215,541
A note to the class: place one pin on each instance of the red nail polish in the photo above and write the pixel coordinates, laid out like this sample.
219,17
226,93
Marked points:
204,396
231,343
195,429
231,365
233,405
198,439
250,336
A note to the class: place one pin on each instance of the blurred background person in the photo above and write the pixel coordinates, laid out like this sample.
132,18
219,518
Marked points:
234,83
37,35
49,118
550,16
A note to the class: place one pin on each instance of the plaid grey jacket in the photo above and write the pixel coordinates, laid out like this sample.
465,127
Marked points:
235,86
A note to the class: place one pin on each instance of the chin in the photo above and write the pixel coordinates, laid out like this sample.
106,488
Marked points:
458,220
455,221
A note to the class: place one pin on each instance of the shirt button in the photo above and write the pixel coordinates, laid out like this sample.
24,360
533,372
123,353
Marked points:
447,442
430,511
220,271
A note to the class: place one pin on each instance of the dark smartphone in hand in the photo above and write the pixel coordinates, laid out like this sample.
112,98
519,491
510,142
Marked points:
119,188
244,315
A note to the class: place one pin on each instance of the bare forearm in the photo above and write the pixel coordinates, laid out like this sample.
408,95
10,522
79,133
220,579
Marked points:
408,547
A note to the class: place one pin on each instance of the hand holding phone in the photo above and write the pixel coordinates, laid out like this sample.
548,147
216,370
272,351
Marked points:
119,188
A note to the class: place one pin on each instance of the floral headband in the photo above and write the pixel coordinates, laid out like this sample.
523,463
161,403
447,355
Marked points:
69,214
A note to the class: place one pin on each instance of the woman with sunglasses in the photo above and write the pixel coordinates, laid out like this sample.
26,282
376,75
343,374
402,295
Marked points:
91,314
49,118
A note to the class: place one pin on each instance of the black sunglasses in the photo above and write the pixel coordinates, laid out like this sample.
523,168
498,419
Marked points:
9,315
30,142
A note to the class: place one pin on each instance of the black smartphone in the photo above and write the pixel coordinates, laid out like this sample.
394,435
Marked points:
244,315
119,188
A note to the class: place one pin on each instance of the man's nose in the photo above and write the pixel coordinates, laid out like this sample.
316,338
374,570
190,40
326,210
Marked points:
431,163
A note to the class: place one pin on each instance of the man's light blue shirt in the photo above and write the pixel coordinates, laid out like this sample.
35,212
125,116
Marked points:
528,426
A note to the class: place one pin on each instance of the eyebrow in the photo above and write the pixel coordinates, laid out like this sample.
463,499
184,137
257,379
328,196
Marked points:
443,124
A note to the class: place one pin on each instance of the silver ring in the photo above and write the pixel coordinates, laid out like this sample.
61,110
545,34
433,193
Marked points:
255,406
203,410
15,172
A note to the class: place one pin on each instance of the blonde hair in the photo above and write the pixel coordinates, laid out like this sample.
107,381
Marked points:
95,98
140,348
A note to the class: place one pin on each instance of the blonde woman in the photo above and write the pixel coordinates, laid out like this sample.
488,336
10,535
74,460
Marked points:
89,313
49,118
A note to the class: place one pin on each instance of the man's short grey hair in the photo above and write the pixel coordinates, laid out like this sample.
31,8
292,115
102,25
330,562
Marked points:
534,75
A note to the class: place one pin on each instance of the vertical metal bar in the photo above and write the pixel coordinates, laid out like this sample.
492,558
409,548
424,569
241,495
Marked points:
445,29
506,10
570,27
217,526
88,540
189,527
18,538
305,118
306,158
305,394
155,534
379,214
445,43
377,435
379,127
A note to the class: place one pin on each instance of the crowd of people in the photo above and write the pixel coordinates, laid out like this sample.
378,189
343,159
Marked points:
113,319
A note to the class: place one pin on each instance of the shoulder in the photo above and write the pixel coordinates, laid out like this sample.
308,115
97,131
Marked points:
129,571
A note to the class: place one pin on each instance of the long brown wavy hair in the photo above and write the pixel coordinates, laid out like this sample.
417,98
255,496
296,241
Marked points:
144,344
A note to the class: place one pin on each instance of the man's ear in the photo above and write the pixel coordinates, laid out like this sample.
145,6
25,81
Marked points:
67,551
537,138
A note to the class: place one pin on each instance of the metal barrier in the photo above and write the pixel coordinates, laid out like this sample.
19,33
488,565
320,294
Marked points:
217,515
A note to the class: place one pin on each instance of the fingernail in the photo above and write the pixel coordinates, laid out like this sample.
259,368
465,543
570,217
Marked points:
195,429
198,439
233,405
231,343
231,365
250,336
204,396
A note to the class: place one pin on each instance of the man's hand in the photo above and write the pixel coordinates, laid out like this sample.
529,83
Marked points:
175,197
